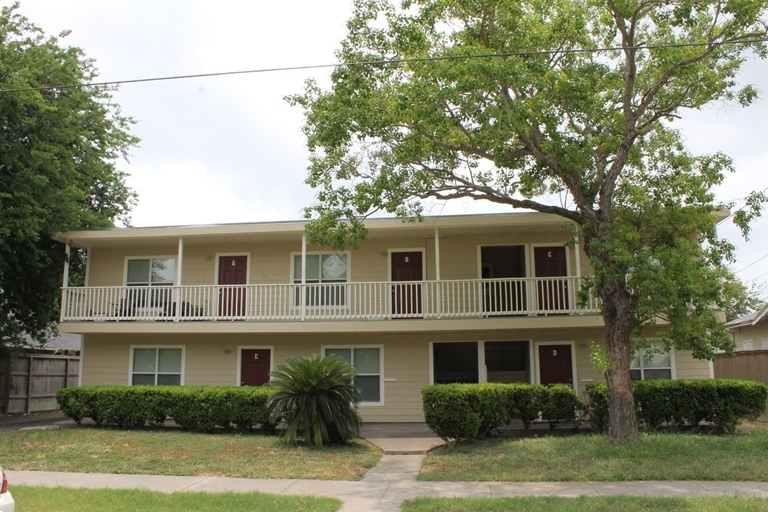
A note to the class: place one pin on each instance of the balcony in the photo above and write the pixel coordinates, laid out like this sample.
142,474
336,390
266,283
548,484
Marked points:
472,298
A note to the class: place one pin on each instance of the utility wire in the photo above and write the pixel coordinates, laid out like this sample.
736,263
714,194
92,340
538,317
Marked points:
387,62
733,212
754,262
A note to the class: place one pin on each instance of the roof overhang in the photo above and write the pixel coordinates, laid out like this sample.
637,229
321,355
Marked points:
450,225
748,320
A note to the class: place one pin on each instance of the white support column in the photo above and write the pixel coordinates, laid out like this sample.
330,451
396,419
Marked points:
438,288
303,294
437,254
64,293
577,258
577,261
87,281
179,262
65,280
177,296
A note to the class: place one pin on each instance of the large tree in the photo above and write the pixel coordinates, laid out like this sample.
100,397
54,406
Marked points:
516,101
58,152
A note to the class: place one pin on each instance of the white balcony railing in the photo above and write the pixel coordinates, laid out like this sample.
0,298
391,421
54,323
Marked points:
331,301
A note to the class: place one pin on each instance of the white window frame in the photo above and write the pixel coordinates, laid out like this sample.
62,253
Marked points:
352,348
173,257
157,347
642,368
482,370
147,299
344,284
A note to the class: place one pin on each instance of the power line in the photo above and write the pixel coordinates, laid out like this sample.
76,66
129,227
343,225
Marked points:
756,261
733,212
385,63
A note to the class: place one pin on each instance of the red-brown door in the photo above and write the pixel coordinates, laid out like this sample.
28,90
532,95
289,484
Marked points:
406,296
555,366
551,265
232,271
254,367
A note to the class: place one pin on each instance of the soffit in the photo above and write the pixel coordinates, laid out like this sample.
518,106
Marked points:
448,226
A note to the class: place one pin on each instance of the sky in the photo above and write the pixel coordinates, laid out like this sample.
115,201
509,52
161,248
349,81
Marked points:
230,149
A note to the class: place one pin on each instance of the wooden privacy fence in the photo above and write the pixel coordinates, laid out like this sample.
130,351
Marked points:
29,382
748,364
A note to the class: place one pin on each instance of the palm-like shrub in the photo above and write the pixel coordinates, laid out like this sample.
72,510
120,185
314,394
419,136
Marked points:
316,399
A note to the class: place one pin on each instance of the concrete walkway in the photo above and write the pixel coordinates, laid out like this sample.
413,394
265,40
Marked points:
386,485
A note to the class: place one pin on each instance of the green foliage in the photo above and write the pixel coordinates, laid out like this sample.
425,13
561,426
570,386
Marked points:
511,102
316,399
742,299
199,408
674,403
465,411
457,412
57,169
526,401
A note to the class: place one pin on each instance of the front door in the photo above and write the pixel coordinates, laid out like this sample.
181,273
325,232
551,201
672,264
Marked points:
406,296
232,271
550,266
555,364
254,366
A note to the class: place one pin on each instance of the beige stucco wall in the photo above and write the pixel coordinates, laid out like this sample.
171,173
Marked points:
213,359
757,333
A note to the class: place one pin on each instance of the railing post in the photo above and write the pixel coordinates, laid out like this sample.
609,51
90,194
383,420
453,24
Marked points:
303,292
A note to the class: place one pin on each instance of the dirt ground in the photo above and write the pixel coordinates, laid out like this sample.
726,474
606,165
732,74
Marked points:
9,422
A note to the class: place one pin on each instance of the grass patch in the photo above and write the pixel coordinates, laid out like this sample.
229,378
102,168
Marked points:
596,504
588,457
113,500
94,450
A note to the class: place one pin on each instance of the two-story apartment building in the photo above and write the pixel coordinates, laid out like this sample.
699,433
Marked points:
483,298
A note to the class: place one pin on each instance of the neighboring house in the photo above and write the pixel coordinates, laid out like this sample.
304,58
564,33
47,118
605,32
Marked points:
750,332
750,360
483,298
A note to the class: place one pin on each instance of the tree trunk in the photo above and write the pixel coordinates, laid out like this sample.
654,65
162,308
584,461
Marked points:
618,314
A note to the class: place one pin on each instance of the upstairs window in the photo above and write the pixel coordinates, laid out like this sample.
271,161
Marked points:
158,275
323,269
151,272
651,363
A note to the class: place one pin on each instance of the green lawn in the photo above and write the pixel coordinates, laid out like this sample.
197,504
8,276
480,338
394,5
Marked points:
62,499
601,504
95,450
588,457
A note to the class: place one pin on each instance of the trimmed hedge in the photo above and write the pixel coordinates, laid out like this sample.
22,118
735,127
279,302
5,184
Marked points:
675,403
467,411
191,407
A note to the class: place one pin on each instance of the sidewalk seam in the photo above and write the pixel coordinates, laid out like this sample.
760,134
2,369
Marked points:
203,479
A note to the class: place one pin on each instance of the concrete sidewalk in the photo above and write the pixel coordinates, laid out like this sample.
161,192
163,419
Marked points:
385,486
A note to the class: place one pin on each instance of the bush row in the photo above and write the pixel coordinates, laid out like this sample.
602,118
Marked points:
467,411
191,407
675,403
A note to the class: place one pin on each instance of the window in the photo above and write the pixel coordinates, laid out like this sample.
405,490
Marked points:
455,362
157,274
367,364
507,361
156,366
151,272
651,363
322,269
